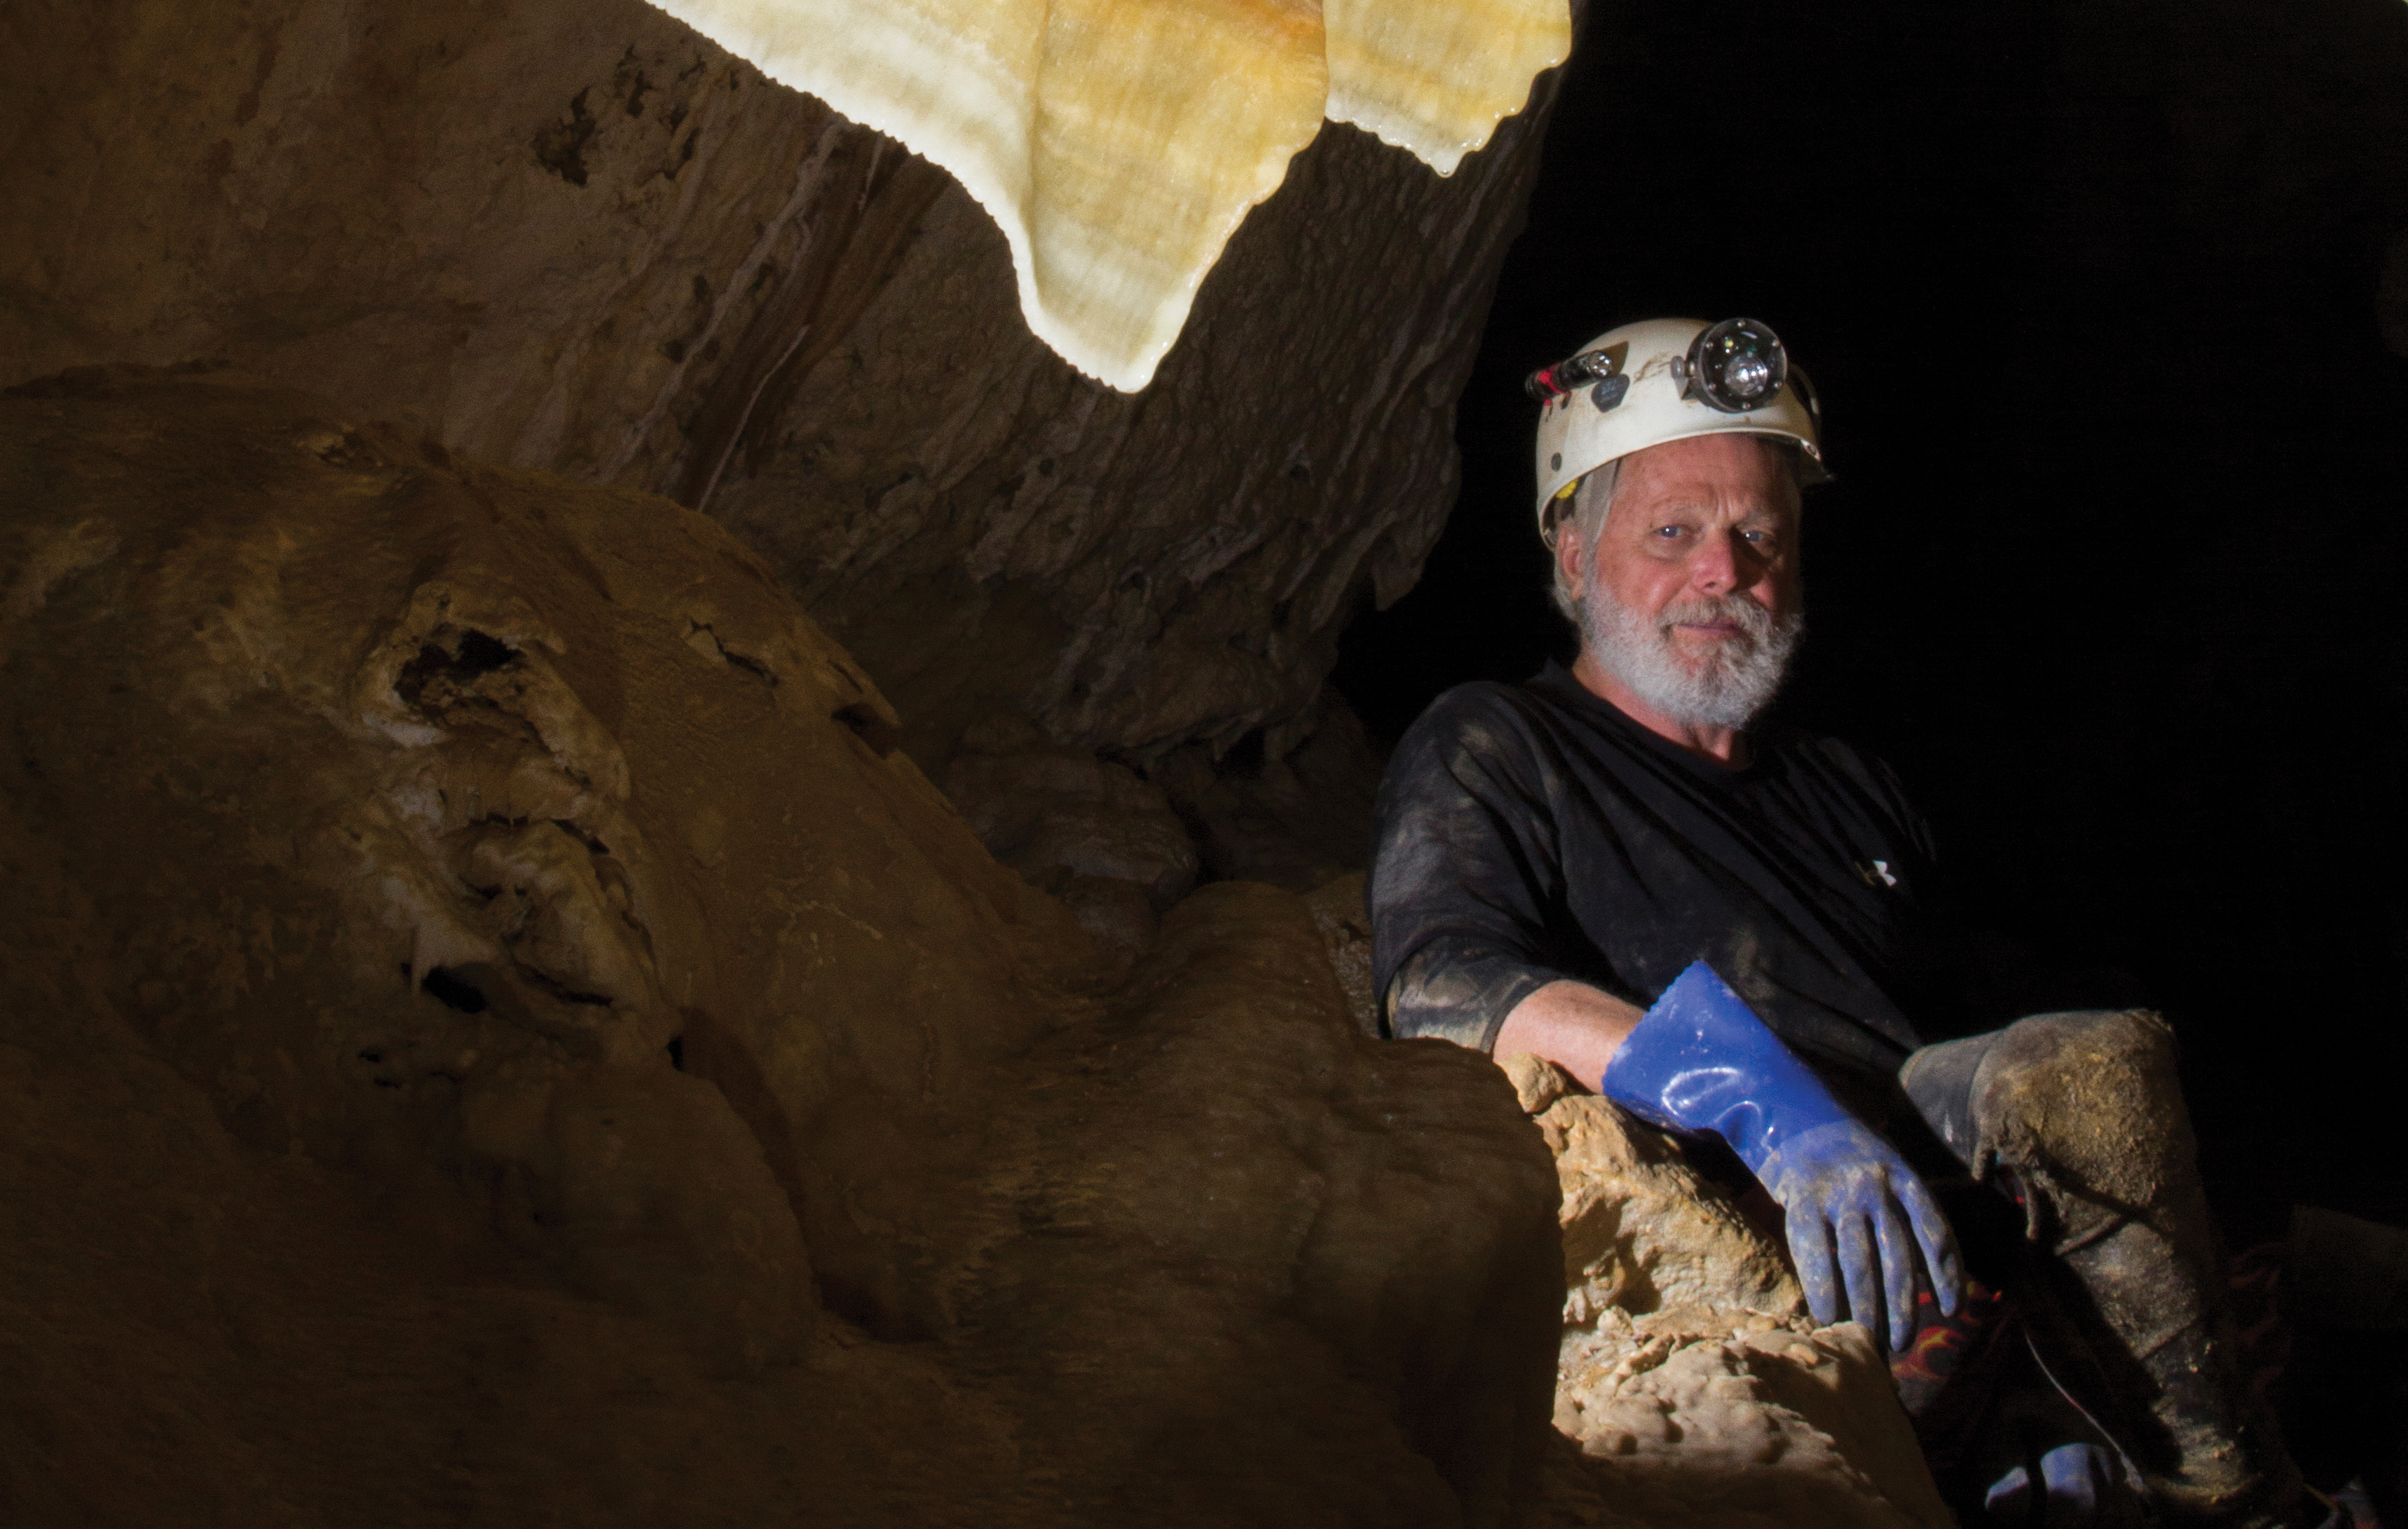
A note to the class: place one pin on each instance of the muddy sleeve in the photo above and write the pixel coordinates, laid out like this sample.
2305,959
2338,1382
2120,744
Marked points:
1464,862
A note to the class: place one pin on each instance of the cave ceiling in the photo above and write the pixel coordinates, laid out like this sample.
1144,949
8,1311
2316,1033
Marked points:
1117,143
592,241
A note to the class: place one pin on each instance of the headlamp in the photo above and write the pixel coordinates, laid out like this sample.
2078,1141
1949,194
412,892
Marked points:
1602,368
1736,366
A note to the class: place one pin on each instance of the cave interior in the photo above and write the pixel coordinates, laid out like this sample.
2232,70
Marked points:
679,488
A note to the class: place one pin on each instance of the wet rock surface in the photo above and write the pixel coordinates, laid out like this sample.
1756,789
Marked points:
502,1033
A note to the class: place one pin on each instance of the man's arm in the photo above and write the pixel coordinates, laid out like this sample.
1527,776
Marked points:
1572,1024
1463,874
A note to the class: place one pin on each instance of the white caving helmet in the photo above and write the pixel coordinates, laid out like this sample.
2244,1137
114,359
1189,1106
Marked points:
1662,381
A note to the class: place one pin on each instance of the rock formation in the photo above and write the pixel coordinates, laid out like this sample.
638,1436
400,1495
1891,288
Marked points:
585,240
1118,143
1691,1379
500,1030
500,1033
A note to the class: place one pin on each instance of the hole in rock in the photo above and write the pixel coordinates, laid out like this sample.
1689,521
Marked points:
677,1053
883,736
479,654
592,843
452,991
561,147
1247,755
750,665
564,993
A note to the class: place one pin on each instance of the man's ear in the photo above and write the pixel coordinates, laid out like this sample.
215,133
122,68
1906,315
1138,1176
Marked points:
1569,553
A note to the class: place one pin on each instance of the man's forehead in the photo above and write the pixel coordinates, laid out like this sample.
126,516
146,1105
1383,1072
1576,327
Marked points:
1730,469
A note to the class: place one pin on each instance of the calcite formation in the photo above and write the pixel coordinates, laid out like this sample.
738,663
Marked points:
1117,143
588,240
499,1033
1693,1384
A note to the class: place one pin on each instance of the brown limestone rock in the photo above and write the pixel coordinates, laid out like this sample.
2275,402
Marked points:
1094,834
438,796
583,240
501,1031
1345,924
1290,806
1695,1388
1225,1171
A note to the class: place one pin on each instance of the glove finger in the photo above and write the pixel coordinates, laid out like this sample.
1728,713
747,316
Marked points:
1809,1249
2069,1486
1938,1240
1897,1243
1860,1266
2009,1500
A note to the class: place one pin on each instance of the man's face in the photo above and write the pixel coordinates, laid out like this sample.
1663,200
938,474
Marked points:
1690,587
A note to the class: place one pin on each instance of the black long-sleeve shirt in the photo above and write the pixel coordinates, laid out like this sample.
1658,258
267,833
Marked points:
1530,833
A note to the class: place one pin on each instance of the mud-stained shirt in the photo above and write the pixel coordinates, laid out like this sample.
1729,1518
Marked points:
1531,833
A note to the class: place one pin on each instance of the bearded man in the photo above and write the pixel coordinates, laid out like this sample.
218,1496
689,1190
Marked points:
1730,929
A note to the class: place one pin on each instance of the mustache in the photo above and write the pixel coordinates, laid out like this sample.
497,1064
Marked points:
1755,622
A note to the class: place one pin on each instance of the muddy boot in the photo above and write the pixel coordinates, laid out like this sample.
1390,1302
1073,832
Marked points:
2079,1117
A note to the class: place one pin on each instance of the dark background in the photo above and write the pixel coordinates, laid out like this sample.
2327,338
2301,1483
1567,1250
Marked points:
2112,569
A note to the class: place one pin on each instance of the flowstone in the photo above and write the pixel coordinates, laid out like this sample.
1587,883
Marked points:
500,1033
1118,143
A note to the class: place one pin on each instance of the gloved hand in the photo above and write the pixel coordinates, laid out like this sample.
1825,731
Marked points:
1701,1061
2082,1486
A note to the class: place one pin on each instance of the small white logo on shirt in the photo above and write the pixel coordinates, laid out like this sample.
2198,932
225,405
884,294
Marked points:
1877,874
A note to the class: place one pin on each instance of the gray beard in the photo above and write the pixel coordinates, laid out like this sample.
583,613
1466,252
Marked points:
1726,688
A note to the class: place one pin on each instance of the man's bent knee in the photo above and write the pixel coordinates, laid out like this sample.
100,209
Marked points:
2084,1106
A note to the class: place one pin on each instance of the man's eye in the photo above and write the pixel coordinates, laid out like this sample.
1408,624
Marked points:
1668,531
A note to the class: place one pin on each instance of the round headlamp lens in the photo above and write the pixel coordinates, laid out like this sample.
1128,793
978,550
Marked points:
1748,376
1736,365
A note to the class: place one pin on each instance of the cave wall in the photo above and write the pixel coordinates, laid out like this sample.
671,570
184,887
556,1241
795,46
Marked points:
499,1034
581,239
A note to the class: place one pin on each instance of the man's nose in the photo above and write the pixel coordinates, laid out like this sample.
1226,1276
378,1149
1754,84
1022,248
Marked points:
1720,564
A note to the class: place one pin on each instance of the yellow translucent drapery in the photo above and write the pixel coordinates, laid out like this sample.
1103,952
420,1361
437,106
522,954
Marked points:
1118,143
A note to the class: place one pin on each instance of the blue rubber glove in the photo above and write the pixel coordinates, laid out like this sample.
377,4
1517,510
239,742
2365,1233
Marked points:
1857,1214
2082,1486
